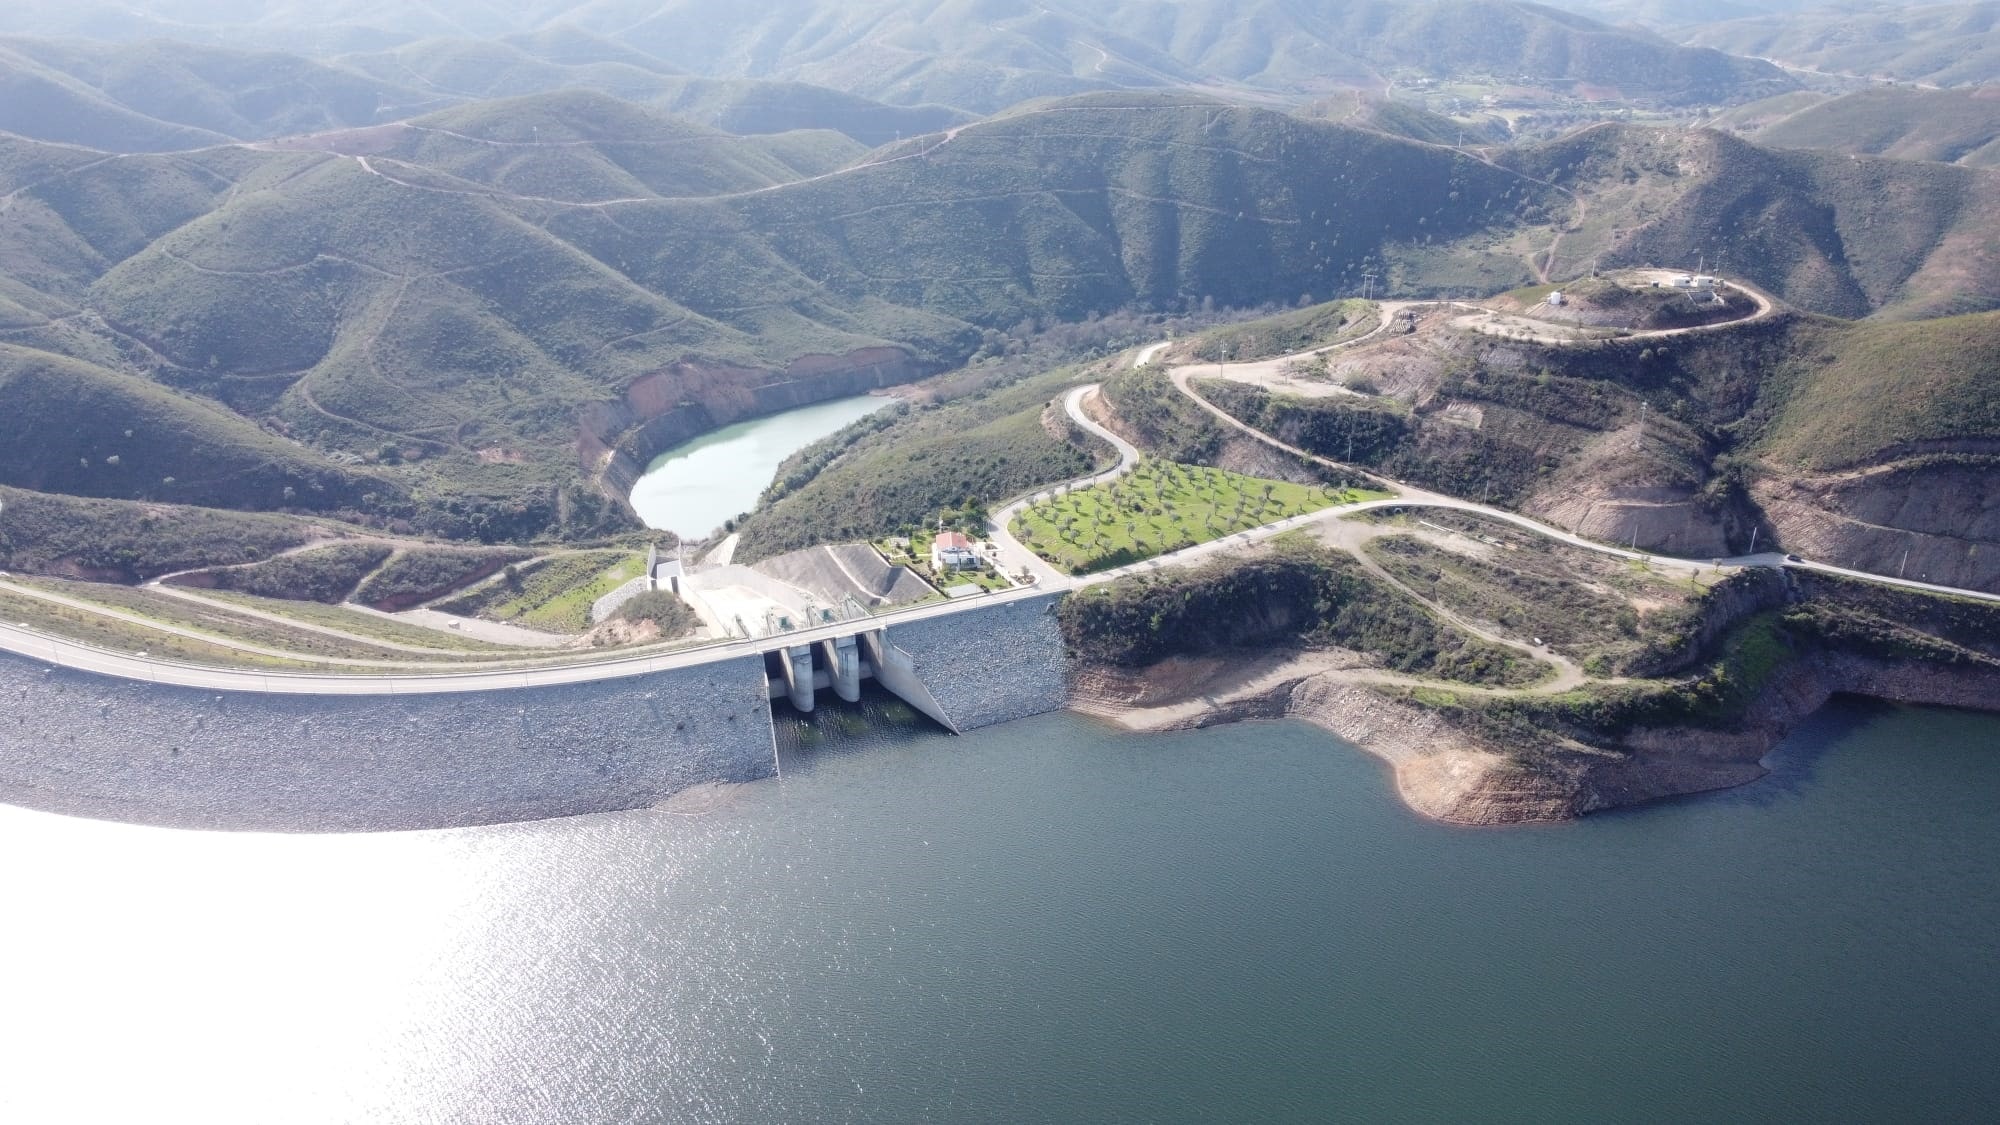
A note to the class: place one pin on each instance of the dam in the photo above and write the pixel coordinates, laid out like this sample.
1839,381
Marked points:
507,747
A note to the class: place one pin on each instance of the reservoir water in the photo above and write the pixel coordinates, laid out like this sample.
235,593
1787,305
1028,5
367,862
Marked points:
1045,921
689,490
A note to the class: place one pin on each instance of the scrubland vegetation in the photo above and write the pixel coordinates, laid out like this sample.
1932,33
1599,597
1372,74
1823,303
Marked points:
1296,594
425,574
552,594
327,574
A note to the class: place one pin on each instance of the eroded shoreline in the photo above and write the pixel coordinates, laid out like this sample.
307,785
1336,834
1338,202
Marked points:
1455,776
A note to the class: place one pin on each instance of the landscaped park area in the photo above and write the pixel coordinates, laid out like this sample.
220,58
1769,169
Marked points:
1161,506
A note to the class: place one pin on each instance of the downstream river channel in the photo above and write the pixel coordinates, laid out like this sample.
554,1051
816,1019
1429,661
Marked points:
1043,922
690,489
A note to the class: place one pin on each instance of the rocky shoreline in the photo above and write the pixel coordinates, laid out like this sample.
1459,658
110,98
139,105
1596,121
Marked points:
1459,776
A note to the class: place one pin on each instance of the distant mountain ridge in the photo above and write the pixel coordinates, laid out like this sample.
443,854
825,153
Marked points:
1957,126
978,57
158,96
1944,44
473,310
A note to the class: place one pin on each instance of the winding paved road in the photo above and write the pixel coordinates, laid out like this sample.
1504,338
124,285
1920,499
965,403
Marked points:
42,646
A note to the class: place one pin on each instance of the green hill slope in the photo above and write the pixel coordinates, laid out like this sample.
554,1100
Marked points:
911,52
100,433
1952,126
582,146
429,306
1831,233
1862,393
158,96
1945,44
569,59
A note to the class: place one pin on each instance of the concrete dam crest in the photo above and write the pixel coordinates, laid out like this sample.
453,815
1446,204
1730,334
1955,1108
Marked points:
85,744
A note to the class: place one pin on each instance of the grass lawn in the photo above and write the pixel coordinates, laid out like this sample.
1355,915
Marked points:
555,594
122,636
1161,506
220,622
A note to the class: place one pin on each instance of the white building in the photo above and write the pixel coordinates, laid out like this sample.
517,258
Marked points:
952,551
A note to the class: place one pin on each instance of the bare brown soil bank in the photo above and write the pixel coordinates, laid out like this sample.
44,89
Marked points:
1935,518
1440,771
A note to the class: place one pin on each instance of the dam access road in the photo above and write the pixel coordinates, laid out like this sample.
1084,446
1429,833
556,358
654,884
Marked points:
35,644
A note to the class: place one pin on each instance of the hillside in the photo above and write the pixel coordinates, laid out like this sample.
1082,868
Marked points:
1960,126
503,306
1943,45
156,96
102,433
569,59
1363,110
1866,444
1828,232
1862,394
907,52
580,146
978,58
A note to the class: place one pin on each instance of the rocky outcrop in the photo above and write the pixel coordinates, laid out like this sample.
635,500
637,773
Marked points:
1723,607
679,403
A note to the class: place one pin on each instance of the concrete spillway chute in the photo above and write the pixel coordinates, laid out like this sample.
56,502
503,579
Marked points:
894,669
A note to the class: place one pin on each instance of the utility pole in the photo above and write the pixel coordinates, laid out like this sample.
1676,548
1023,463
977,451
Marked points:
1753,538
1905,564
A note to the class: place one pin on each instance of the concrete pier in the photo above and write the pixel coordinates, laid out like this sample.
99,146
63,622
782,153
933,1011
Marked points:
843,663
798,668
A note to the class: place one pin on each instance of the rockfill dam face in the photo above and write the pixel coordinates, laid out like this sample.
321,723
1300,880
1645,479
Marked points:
84,744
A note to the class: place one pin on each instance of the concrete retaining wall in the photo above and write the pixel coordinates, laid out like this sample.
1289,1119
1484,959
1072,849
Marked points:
604,607
88,745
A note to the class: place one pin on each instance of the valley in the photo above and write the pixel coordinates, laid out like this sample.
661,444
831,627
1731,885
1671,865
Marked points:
354,393
961,560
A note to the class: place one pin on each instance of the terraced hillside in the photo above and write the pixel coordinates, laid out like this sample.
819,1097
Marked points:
1868,444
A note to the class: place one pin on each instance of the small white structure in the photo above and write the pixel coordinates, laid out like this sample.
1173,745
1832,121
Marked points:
1556,299
1681,281
1704,281
952,551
